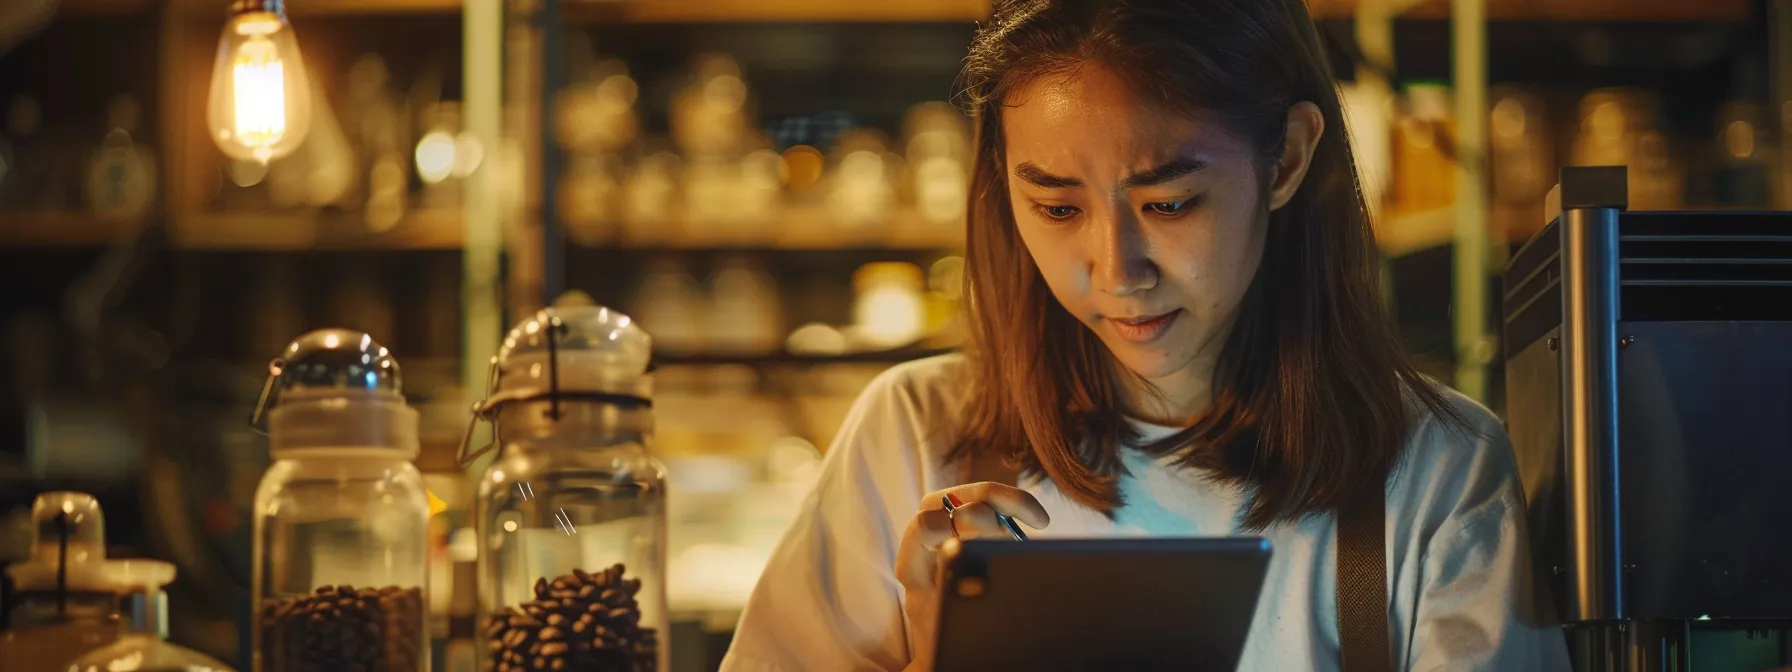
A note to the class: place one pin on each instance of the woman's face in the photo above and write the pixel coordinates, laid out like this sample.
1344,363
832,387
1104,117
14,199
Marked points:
1148,225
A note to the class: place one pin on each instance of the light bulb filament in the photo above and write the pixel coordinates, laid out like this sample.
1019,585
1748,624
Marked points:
260,84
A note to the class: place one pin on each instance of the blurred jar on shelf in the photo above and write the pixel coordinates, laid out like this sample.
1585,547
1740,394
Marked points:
862,195
380,136
670,303
597,114
650,197
121,175
711,115
745,314
938,151
1424,176
37,178
1621,127
594,121
591,198
888,309
945,293
445,155
731,200
1746,155
1522,160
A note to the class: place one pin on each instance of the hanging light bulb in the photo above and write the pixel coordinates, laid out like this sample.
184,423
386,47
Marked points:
260,103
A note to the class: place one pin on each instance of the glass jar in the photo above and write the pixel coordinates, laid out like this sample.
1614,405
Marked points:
66,602
341,517
145,648
571,514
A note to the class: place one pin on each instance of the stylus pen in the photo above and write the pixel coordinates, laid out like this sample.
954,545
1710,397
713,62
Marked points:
1006,522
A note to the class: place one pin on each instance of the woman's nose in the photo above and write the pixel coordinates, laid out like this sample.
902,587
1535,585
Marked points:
1120,261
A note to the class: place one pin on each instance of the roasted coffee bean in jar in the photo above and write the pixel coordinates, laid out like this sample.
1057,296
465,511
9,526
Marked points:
342,629
579,621
341,505
574,486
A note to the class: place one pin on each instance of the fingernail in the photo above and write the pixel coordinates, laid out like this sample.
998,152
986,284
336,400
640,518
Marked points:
955,500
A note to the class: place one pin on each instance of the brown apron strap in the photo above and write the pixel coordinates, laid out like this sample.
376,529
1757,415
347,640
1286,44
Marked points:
1362,566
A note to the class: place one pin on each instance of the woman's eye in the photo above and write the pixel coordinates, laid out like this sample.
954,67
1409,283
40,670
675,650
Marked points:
1058,212
1173,208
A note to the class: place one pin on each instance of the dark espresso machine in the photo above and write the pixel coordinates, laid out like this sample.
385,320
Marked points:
1649,393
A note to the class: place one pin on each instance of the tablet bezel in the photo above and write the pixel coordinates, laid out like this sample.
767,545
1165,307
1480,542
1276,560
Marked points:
1157,592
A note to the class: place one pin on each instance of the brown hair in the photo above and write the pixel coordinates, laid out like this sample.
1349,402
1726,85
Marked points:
1310,399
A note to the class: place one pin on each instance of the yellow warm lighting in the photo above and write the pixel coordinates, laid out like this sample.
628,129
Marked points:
435,156
260,103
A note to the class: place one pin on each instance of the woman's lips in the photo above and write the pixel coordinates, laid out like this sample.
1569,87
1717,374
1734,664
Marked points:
1144,328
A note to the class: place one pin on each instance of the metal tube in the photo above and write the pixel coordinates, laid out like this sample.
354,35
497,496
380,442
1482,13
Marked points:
553,81
1589,373
1474,350
1779,45
482,311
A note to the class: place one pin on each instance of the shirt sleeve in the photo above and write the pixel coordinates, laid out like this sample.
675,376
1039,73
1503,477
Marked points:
1476,599
829,598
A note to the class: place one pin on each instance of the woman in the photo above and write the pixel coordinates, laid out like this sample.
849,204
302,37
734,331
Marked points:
1176,331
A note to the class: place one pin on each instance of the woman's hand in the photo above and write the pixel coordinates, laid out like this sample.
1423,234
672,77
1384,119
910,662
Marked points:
917,559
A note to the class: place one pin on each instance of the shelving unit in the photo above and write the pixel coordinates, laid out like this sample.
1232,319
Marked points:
817,11
792,359
64,229
1562,10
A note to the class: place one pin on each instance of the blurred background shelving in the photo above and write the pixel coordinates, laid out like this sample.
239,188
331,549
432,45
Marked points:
773,188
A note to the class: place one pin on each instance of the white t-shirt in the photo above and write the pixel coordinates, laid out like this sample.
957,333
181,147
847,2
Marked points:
1458,562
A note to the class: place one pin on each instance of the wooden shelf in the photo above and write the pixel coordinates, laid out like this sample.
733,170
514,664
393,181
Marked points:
304,8
418,230
64,229
89,8
796,226
896,356
1593,11
767,11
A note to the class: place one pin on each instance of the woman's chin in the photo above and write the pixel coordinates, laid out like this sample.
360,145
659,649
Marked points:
1146,362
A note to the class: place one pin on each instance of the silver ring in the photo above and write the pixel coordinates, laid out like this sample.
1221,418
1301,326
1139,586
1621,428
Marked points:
946,500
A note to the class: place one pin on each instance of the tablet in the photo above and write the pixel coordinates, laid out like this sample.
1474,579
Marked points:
1099,604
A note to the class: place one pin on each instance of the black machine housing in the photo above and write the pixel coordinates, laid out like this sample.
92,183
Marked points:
1649,399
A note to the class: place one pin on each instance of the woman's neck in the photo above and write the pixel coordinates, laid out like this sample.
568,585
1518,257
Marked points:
1177,399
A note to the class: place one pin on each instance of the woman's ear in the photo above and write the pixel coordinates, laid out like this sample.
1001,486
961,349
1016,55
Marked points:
1305,125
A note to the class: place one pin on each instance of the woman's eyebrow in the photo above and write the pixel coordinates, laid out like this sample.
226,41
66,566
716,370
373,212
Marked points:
1172,170
1039,178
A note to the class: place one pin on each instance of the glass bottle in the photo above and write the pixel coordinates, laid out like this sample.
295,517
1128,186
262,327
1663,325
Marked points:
145,648
571,513
66,603
341,516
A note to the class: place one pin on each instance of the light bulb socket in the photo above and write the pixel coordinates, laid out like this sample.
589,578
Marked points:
241,7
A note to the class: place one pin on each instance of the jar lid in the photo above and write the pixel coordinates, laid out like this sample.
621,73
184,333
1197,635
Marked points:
335,390
69,552
569,352
328,362
573,350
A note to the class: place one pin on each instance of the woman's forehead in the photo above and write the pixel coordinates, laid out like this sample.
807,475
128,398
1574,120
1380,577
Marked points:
1093,115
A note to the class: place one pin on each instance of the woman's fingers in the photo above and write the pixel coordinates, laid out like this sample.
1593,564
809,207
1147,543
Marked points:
976,520
1007,500
917,553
